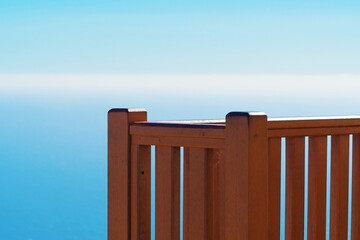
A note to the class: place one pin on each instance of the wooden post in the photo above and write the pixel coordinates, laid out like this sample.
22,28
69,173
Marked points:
119,146
245,177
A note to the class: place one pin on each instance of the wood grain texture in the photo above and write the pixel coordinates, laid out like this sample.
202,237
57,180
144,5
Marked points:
179,141
339,187
119,170
295,171
220,196
202,121
178,130
355,208
194,193
274,187
140,192
317,188
319,131
212,190
246,177
167,193
201,194
314,122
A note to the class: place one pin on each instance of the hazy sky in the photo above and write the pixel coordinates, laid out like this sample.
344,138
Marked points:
179,37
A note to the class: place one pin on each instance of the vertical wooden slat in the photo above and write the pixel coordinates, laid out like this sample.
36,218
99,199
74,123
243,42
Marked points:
212,194
355,202
317,188
167,203
339,187
140,192
295,171
246,177
219,190
201,194
119,171
274,187
194,193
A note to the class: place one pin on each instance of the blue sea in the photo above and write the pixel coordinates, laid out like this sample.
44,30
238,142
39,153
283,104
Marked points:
53,142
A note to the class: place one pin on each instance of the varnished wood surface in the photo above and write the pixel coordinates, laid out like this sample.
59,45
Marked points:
213,198
339,187
246,177
140,192
210,121
313,126
317,188
313,122
167,193
195,194
280,122
277,127
236,183
355,209
295,177
178,130
201,194
119,171
274,187
319,131
179,141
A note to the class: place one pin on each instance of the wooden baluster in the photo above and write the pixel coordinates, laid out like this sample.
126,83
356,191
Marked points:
295,171
212,197
355,209
200,194
274,187
140,192
167,197
339,187
194,193
317,188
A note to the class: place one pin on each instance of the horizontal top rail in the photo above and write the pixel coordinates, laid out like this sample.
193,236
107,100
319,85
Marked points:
178,129
207,121
313,126
311,122
278,127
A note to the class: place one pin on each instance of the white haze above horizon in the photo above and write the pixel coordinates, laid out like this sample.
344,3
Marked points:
223,85
191,96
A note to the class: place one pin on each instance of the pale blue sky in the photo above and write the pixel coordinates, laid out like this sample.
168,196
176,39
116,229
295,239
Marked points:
179,37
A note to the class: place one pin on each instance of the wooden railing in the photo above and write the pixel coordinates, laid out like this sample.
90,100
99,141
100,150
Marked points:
232,177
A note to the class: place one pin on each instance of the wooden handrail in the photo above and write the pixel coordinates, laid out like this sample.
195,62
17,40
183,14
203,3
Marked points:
177,129
313,126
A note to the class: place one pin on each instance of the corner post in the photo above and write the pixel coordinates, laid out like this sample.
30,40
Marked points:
245,174
119,147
